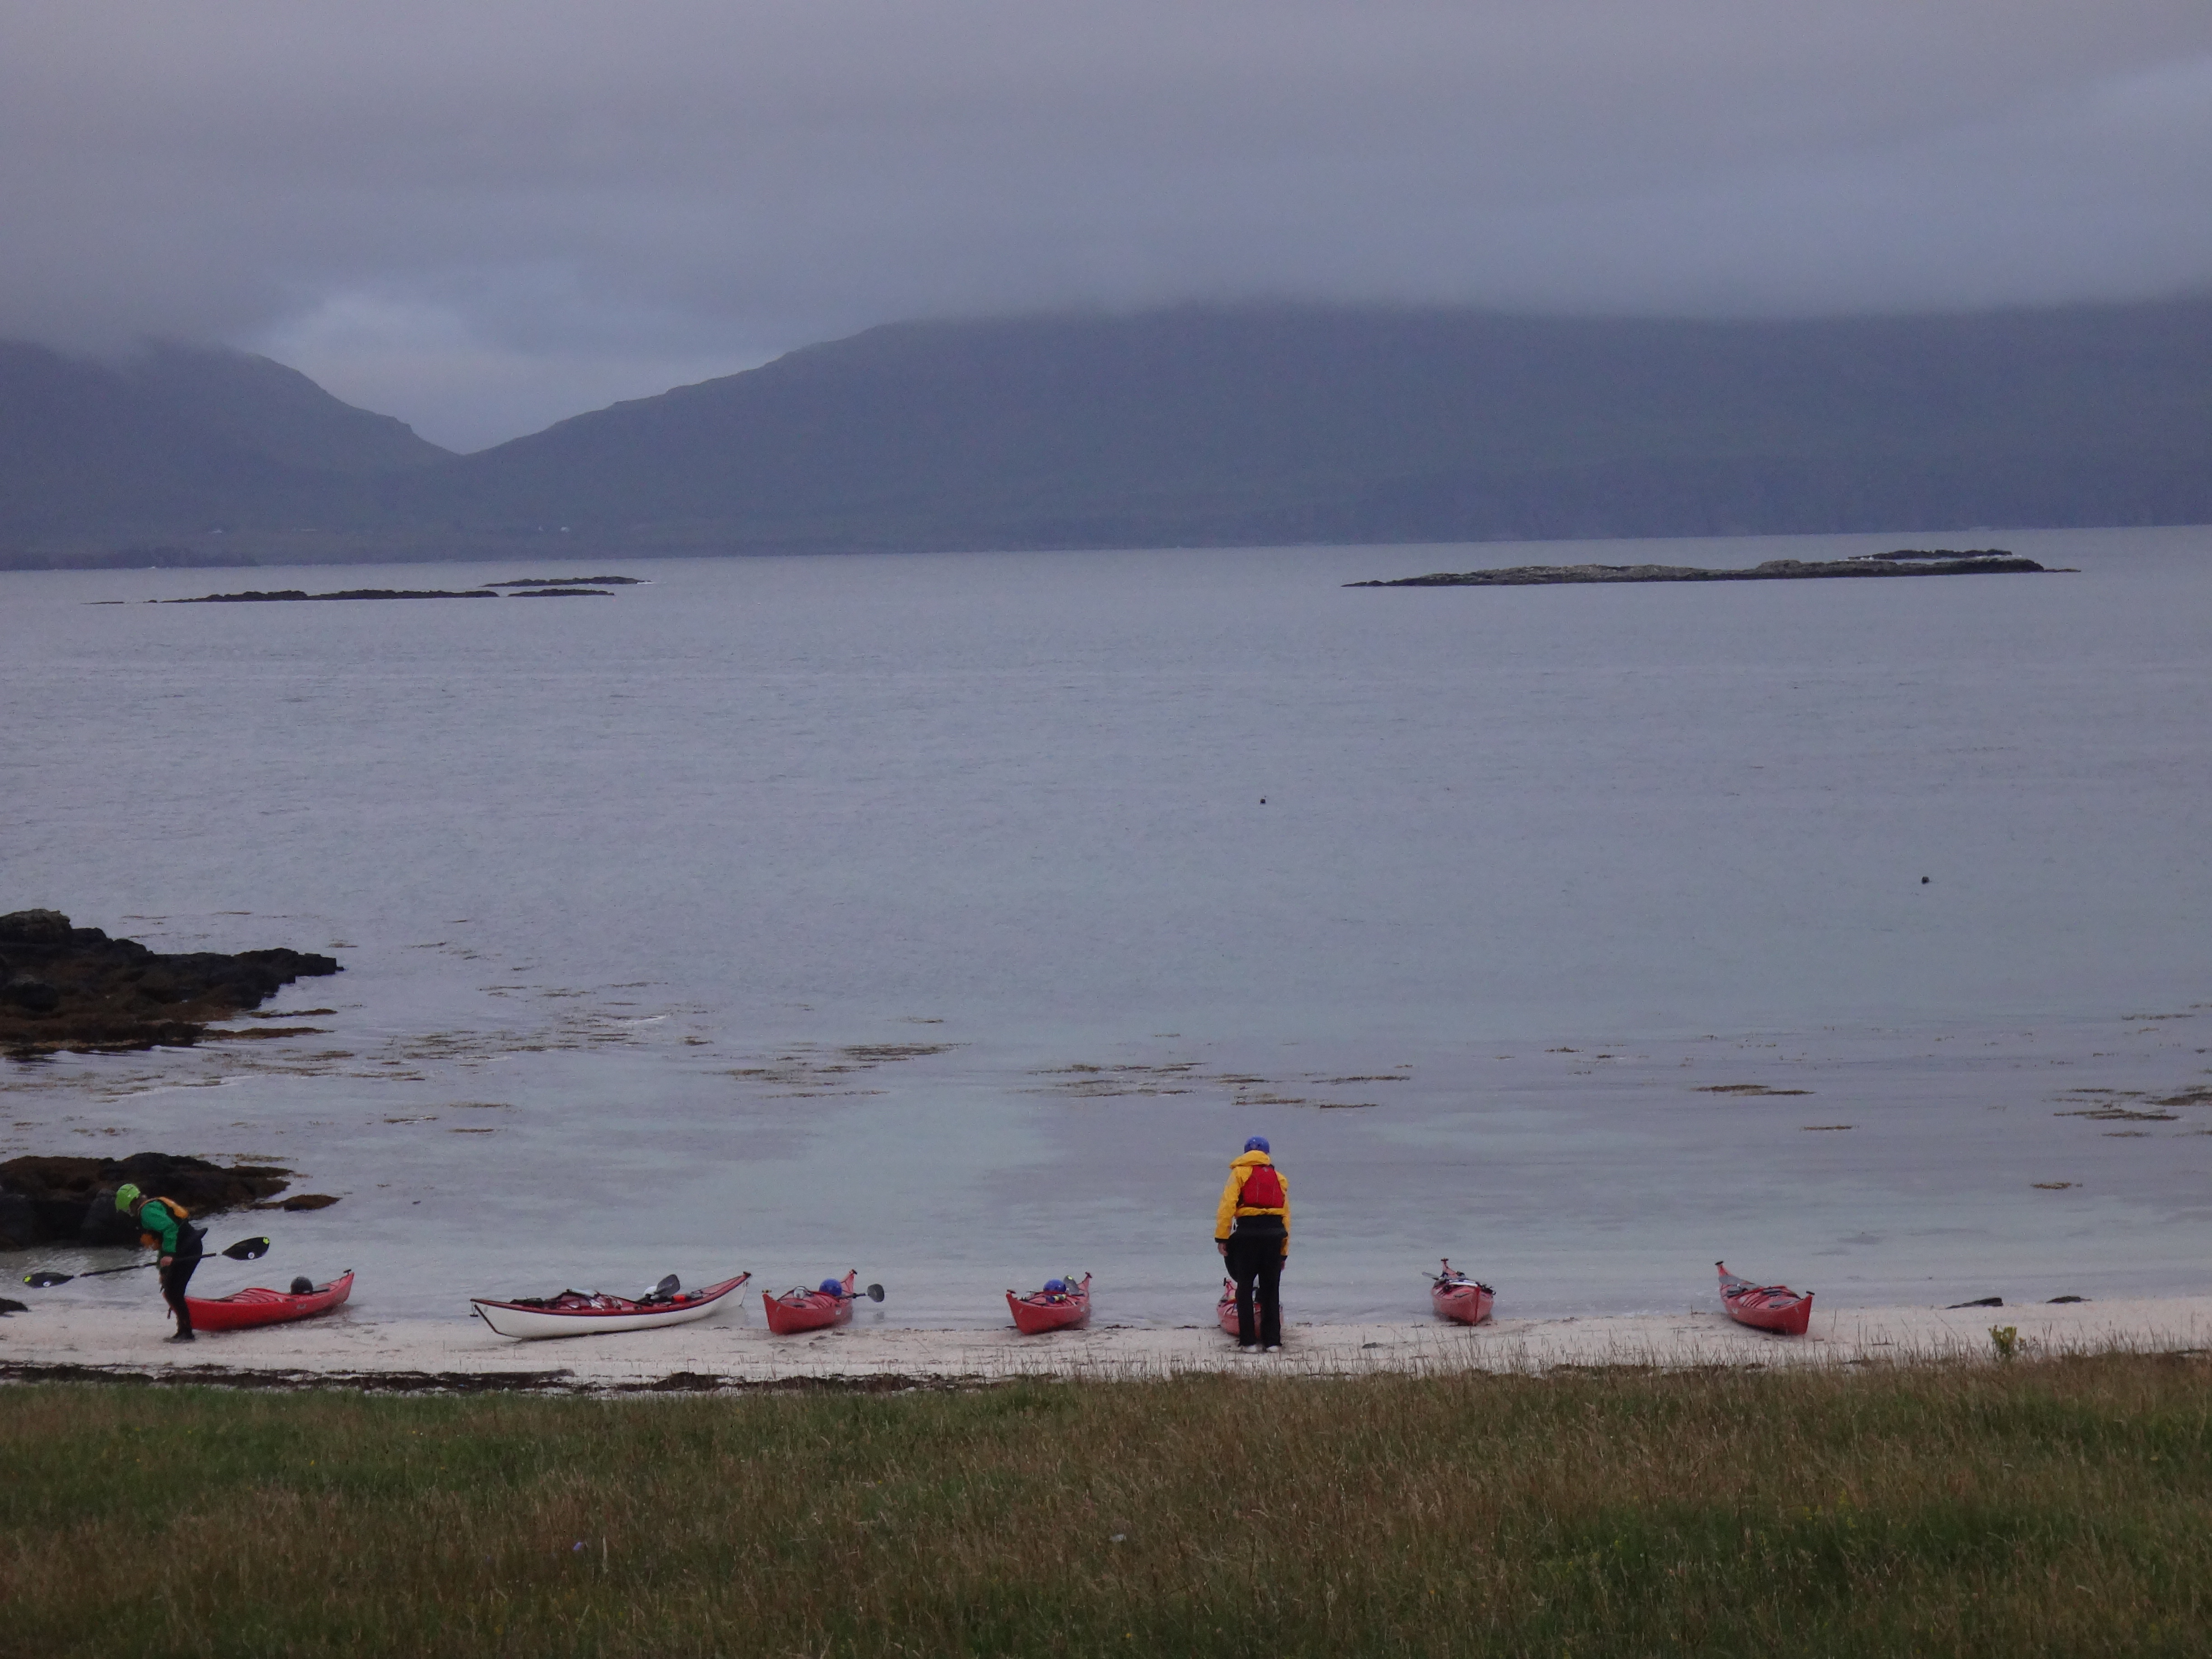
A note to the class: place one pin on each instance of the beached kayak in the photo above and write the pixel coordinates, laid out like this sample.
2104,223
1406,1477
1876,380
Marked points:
1049,1309
1456,1297
1764,1307
1225,1310
264,1307
804,1309
585,1313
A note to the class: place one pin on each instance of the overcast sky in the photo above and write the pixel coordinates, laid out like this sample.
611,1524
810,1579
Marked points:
483,216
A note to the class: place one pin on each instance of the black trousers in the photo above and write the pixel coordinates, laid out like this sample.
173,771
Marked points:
1256,1263
174,1278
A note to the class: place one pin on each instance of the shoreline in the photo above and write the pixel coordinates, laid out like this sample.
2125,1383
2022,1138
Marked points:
732,1352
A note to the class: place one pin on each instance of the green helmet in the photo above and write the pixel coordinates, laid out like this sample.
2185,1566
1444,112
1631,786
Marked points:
126,1196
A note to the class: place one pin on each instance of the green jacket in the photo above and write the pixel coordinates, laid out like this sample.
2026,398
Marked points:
158,1225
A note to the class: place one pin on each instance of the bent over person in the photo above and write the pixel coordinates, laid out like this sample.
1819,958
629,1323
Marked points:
164,1223
1252,1230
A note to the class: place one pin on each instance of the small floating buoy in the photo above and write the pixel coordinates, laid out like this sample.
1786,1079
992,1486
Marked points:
1923,881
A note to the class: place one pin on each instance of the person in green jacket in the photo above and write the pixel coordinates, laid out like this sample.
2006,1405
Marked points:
164,1223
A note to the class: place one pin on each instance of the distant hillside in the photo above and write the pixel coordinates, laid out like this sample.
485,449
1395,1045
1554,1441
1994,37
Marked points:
259,406
1243,426
177,442
1256,425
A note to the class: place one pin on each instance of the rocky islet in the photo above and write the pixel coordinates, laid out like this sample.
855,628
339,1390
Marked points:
64,986
1903,561
71,1200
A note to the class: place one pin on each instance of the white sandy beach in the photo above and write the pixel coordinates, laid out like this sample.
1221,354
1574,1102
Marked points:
733,1350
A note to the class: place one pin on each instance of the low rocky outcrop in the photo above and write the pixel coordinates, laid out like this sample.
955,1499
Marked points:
274,596
65,987
1940,553
570,581
1906,562
559,587
54,1201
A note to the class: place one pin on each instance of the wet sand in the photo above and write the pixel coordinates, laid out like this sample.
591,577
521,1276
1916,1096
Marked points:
732,1351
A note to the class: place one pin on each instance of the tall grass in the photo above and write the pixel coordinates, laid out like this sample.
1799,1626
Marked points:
2043,1507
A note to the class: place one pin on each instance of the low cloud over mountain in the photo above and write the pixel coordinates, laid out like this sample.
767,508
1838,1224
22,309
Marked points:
1190,426
483,217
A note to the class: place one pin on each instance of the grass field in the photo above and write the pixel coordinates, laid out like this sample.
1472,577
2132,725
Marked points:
2059,1506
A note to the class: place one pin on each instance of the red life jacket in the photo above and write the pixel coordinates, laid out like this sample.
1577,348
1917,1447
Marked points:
1262,1190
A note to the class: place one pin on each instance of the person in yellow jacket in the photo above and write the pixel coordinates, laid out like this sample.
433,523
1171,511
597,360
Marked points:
1252,1230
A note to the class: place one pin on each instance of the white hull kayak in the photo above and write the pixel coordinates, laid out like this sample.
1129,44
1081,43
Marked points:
577,1313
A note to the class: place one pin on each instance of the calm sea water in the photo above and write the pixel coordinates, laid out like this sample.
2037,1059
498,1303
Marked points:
956,917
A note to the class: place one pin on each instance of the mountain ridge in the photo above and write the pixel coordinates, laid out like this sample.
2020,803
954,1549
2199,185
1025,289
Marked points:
180,442
1252,424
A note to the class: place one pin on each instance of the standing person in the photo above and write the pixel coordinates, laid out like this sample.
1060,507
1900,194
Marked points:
1252,1230
164,1223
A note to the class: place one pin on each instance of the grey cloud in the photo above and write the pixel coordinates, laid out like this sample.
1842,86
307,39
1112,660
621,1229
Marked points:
484,217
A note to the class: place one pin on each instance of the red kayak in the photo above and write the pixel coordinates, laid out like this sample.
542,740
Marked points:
262,1307
1048,1309
1764,1307
810,1310
1225,1310
1454,1295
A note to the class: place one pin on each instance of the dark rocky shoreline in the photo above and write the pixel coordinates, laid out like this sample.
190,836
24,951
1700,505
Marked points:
63,987
1904,562
71,1200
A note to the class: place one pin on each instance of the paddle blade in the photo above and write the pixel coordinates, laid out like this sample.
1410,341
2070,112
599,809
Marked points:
667,1287
875,1292
248,1250
41,1280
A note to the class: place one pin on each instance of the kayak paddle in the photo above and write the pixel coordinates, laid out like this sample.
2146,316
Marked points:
874,1293
246,1249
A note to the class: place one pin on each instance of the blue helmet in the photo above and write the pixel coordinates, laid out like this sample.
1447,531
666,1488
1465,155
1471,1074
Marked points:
1055,1284
1259,1144
833,1287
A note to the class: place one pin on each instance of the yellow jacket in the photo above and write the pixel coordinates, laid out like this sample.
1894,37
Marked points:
1226,1214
